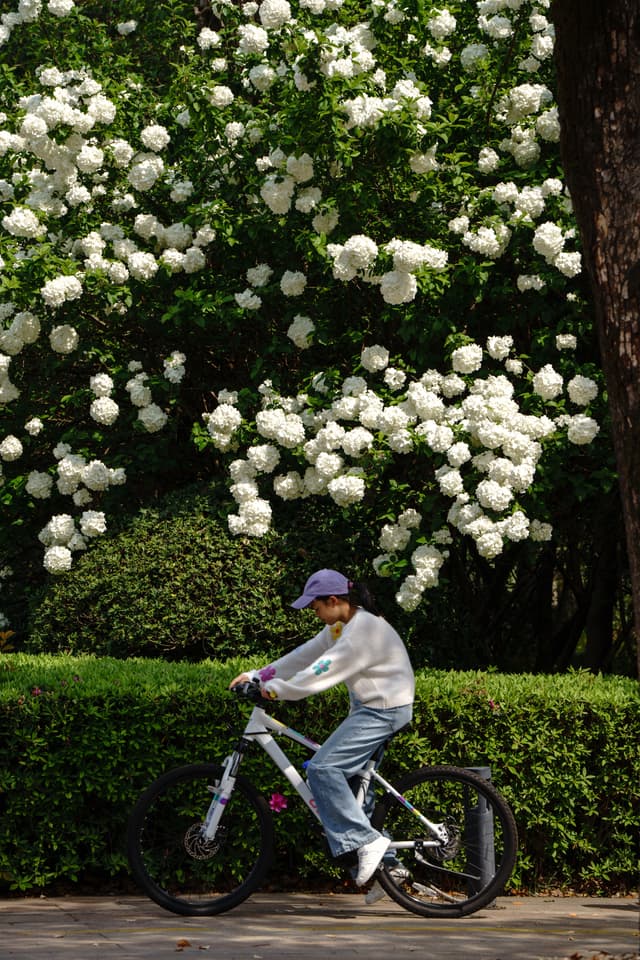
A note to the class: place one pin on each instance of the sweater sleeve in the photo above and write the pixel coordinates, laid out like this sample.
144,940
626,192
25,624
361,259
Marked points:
289,665
331,665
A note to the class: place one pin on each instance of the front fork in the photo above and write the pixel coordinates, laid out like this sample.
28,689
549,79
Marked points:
222,790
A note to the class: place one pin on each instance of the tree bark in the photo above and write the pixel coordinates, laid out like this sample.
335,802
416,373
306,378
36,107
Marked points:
598,69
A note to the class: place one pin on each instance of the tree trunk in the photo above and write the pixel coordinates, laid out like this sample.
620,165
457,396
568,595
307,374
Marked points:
598,66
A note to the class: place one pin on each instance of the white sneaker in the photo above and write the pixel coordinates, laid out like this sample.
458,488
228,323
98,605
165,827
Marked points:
369,857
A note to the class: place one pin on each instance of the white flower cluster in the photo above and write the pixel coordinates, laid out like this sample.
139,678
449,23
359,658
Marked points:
61,538
76,478
71,172
367,111
357,256
150,415
487,449
549,240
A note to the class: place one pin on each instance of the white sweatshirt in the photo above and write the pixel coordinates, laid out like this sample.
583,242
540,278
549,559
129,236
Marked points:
366,654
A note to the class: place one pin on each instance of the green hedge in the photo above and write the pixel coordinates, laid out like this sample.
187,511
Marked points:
82,736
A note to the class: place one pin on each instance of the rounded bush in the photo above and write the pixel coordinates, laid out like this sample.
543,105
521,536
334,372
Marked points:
175,584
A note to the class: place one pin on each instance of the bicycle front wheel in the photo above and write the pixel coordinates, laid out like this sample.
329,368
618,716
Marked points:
180,870
469,869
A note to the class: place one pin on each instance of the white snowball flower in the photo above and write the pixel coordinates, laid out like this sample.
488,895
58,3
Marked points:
155,137
95,475
277,193
472,56
39,485
548,240
207,39
57,291
221,96
301,331
152,418
57,559
259,275
289,486
547,383
494,495
582,430
357,442
394,537
174,367
34,426
569,264
489,545
566,341
253,518
101,385
253,39
300,168
22,222
60,529
441,25
273,14
93,523
540,531
248,300
346,490
293,283
395,379
499,347
582,390
264,458
104,410
10,448
467,359
398,287
488,160
374,358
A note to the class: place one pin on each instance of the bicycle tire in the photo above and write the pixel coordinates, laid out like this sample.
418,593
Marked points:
169,862
464,875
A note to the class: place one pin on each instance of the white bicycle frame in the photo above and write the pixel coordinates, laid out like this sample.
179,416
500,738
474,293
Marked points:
259,728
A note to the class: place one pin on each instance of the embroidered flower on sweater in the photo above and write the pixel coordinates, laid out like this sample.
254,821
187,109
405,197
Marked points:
321,667
266,674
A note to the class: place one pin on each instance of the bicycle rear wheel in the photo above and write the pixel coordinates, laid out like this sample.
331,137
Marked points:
177,868
468,871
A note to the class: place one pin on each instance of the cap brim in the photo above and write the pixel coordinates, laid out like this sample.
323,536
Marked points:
302,602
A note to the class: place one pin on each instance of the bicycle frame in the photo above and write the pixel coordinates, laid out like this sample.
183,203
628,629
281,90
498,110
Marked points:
259,729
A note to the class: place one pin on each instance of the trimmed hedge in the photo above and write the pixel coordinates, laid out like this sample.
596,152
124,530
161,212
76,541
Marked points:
82,736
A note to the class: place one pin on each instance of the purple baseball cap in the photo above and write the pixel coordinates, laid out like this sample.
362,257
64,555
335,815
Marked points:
323,583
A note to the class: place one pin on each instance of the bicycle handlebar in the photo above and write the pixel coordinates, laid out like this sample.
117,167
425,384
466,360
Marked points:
250,690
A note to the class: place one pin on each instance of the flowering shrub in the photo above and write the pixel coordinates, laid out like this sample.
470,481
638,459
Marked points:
294,194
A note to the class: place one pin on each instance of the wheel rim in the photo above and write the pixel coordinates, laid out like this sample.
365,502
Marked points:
176,863
472,867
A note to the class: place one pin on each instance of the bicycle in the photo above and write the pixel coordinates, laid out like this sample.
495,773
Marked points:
200,839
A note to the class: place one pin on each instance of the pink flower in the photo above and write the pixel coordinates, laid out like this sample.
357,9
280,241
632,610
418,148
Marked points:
278,803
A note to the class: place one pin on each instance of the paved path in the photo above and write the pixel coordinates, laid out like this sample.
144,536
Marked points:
314,927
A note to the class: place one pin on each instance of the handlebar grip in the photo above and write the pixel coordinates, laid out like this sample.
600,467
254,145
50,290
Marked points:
250,690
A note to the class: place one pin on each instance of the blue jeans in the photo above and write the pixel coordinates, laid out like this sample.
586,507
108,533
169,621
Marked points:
343,754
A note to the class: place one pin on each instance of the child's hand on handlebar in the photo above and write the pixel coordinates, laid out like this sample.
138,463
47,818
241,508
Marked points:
243,679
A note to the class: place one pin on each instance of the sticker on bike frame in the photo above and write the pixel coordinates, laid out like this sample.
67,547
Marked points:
300,736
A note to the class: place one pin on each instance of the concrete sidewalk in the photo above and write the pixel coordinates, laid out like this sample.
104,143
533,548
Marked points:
291,927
